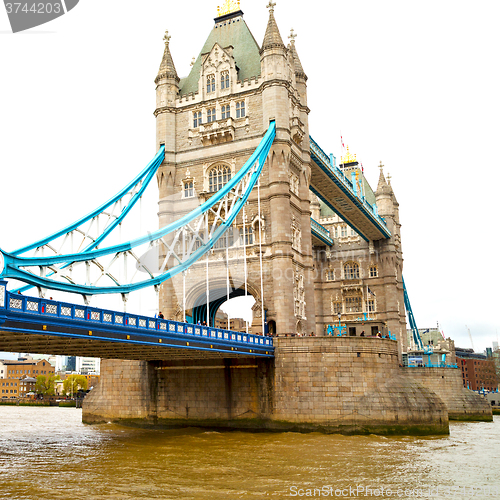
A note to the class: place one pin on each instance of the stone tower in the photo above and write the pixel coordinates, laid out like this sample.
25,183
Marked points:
210,122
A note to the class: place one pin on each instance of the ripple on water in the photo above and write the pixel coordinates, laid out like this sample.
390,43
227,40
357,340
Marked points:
48,454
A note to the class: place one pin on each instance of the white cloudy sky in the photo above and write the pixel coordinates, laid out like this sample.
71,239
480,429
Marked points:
414,84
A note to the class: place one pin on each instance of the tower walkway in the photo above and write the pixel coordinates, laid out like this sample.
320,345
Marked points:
330,184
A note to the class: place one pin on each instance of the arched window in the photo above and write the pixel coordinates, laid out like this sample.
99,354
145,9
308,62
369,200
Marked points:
218,177
240,109
210,83
188,189
226,112
197,119
224,80
211,115
351,271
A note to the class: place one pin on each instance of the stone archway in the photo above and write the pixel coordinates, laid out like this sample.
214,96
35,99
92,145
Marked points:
196,298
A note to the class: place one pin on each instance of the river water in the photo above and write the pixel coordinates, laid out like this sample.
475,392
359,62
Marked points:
46,453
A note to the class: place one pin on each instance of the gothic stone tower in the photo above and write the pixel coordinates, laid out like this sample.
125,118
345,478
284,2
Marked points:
210,122
359,283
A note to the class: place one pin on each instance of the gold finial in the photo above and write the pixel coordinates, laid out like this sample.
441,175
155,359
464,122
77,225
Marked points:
228,7
271,6
389,177
193,61
167,38
348,158
292,35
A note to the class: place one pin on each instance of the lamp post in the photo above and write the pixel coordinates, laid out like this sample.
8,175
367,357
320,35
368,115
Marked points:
340,328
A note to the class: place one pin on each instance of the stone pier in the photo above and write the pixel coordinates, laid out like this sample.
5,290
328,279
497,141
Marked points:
343,385
447,384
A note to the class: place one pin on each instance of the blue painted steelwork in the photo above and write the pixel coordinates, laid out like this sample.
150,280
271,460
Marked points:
411,319
337,176
246,178
68,320
321,233
337,331
144,177
434,365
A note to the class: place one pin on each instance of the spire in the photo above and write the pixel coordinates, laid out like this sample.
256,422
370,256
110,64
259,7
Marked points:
299,70
272,38
382,187
167,68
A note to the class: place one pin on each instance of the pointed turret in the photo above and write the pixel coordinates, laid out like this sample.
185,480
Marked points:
167,68
272,38
299,70
274,61
382,188
167,80
386,201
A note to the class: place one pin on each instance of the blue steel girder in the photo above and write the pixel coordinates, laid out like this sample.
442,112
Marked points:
335,190
413,324
321,233
184,242
29,324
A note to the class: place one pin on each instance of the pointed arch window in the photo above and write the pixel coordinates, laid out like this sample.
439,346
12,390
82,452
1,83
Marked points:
226,112
211,115
240,109
218,177
210,84
188,189
224,80
197,119
351,271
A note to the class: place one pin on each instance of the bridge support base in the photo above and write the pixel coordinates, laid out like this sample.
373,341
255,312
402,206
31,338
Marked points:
347,385
462,404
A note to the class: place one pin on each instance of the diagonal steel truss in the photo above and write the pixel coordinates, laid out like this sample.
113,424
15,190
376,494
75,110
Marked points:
91,270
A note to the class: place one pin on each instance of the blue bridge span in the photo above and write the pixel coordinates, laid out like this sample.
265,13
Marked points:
31,324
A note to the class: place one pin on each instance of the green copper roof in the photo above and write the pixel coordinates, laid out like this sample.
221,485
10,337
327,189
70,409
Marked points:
233,32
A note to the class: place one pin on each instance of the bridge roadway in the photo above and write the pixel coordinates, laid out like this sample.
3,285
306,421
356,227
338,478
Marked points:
330,184
30,324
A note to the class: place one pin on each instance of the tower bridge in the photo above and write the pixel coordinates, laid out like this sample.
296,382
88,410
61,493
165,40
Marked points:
249,204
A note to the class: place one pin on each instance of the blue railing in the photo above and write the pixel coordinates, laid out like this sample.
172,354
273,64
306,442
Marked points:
325,160
433,365
341,331
321,232
94,317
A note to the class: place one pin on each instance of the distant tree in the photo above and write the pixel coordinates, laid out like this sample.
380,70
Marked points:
72,383
46,385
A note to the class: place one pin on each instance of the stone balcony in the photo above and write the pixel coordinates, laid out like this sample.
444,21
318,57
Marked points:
217,132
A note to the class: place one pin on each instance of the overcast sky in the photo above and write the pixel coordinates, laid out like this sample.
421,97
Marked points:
412,84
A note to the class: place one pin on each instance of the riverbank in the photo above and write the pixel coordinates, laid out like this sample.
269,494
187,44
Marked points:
42,403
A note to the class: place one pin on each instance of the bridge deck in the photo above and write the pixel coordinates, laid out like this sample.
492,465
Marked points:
29,324
333,188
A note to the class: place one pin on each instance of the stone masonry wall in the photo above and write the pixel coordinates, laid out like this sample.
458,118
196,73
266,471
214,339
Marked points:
462,403
124,392
348,384
351,384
